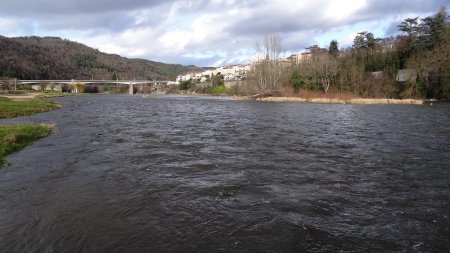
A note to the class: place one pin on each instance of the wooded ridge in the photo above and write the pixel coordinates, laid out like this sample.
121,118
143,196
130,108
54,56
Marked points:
55,58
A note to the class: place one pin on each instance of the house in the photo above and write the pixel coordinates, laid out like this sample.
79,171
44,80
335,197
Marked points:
299,57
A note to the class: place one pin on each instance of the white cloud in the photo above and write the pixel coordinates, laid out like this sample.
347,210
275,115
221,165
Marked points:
206,32
9,27
175,42
339,11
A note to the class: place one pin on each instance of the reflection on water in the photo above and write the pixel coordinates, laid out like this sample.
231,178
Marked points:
201,174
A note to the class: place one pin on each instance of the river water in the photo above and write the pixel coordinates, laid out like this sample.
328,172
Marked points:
204,174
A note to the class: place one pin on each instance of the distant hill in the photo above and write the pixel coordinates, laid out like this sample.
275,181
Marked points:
56,58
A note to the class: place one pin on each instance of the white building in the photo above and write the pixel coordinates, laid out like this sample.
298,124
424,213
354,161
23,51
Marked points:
233,72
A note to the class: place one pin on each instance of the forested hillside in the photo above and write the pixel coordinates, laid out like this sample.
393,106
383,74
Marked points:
55,58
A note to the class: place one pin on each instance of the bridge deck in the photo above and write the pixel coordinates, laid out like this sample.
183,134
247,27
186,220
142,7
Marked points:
132,82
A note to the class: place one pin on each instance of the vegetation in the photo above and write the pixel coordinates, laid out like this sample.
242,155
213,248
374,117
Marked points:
12,108
268,71
222,90
51,58
15,137
185,85
413,65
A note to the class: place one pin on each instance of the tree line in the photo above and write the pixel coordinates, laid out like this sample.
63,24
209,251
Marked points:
415,64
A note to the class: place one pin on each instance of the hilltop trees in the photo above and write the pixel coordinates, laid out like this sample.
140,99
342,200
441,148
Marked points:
433,29
54,58
427,51
410,26
364,40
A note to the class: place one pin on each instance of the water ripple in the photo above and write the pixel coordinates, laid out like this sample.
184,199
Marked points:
204,174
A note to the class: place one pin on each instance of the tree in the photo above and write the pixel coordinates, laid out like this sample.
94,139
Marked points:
297,81
79,87
364,40
410,26
426,34
433,28
114,76
433,69
324,68
333,48
217,80
185,85
268,71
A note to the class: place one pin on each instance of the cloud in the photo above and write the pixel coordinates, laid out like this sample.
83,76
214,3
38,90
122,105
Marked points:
70,7
206,33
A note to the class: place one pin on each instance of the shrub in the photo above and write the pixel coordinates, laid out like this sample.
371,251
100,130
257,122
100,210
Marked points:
185,85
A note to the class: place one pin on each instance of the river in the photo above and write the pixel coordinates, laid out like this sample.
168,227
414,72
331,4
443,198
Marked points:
206,174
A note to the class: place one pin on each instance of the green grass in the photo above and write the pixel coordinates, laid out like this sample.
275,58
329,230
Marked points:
15,137
222,90
10,108
49,94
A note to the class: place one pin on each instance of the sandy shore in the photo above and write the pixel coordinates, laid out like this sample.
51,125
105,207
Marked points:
359,101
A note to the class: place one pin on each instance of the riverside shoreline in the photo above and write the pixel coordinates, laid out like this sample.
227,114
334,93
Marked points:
14,138
357,101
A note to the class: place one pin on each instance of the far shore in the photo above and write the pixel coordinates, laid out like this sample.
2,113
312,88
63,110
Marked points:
358,101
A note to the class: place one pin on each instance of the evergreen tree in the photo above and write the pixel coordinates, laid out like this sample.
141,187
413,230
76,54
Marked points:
364,40
333,49
410,26
433,28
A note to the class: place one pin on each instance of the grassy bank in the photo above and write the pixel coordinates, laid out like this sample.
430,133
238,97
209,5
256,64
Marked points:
10,108
15,137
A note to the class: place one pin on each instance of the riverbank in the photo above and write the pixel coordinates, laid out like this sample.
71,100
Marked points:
15,137
359,101
27,95
24,105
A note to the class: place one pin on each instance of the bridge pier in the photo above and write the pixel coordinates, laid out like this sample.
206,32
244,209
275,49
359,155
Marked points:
130,88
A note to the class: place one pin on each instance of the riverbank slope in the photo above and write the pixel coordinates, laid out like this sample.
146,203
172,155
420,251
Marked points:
16,137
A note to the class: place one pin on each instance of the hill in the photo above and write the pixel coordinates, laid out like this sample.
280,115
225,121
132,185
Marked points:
56,58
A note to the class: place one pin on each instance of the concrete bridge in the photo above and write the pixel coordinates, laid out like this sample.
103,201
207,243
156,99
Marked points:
72,82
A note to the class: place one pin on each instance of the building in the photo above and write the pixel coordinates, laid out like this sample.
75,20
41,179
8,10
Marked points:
231,72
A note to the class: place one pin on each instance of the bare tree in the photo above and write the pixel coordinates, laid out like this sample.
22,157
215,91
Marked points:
324,68
268,69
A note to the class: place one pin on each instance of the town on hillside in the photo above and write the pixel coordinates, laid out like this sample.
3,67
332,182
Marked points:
236,72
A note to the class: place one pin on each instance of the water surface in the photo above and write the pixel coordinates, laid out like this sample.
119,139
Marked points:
203,174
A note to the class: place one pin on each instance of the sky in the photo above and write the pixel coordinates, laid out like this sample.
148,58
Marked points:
207,33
